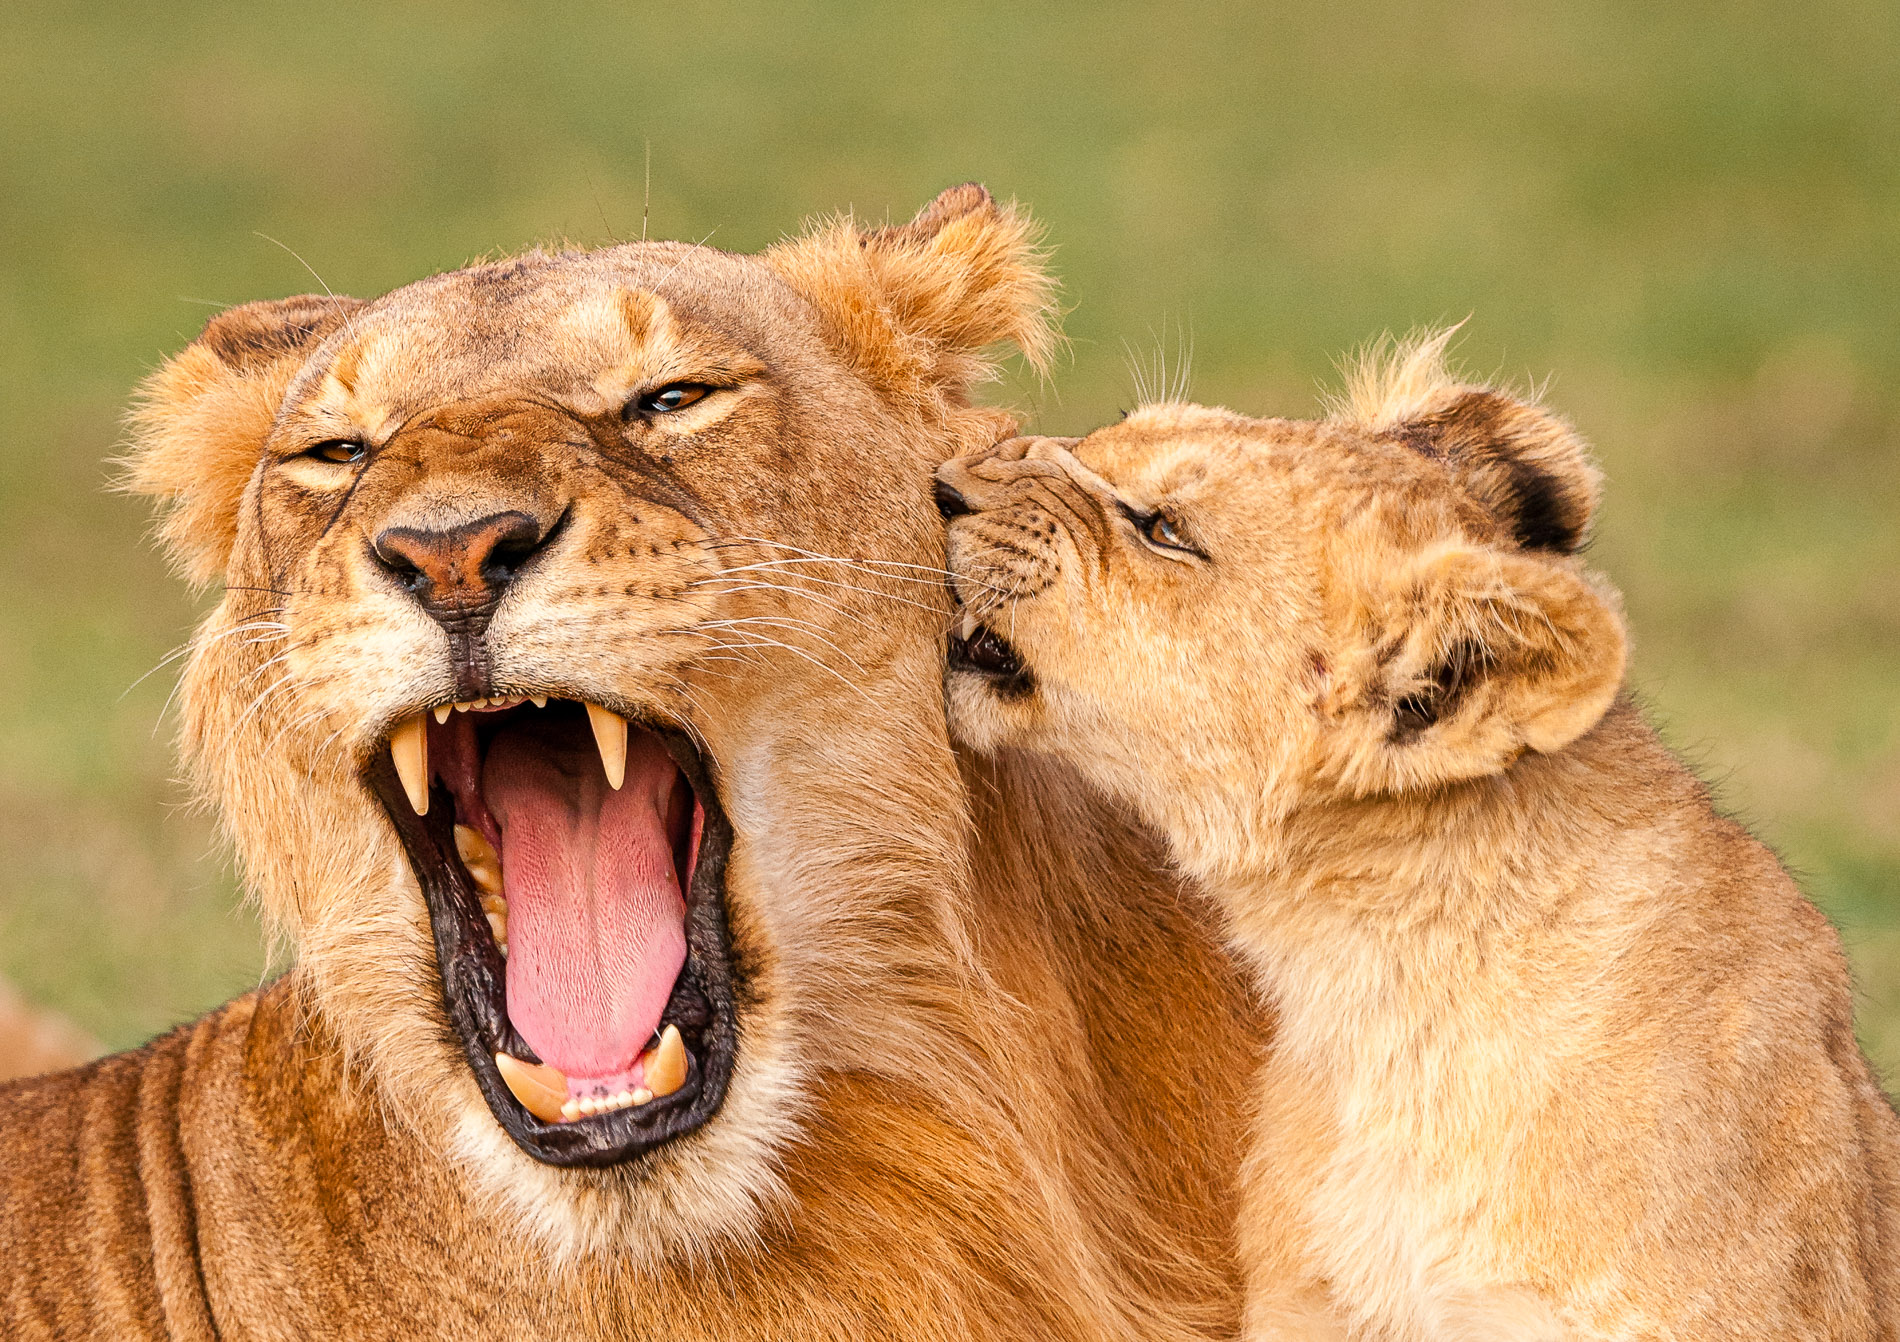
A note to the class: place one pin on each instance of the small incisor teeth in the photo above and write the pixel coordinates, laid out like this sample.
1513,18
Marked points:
541,1089
666,1064
610,734
409,751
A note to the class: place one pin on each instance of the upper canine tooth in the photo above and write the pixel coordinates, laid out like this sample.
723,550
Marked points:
666,1064
538,700
409,750
610,734
442,712
967,627
541,1089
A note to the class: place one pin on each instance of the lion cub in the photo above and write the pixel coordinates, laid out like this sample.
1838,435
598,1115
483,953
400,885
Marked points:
1561,1051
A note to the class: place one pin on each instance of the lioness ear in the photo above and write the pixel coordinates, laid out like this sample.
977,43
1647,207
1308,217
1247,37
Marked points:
918,308
1524,468
200,421
1463,659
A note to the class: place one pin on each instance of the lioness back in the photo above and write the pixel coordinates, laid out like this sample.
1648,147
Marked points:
1562,1052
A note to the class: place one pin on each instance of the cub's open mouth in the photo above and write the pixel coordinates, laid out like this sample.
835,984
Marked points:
574,866
976,647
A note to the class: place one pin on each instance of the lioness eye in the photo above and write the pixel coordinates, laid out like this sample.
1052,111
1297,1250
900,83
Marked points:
342,451
668,399
1159,530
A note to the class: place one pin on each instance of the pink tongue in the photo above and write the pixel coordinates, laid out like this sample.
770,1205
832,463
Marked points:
596,922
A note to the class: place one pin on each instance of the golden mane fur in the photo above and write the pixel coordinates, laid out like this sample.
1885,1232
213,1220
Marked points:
1561,1051
989,1083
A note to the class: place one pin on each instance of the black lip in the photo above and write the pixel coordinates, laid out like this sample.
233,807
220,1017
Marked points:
988,654
471,967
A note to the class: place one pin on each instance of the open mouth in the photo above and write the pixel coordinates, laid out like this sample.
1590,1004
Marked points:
574,867
974,646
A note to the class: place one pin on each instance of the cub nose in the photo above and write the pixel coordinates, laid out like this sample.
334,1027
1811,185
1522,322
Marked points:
462,569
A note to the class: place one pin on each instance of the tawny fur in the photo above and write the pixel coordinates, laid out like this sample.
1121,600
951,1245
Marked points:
986,1085
1562,1052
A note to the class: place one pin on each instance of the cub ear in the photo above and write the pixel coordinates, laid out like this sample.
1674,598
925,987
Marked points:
200,421
919,307
1462,659
1526,470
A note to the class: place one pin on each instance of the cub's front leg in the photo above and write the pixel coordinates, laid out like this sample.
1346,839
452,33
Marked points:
1298,1235
1286,1297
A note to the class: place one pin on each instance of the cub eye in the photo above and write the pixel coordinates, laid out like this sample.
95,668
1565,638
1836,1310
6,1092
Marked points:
1161,531
341,451
666,400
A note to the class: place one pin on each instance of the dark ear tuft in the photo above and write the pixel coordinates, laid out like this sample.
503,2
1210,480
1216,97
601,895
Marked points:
1521,464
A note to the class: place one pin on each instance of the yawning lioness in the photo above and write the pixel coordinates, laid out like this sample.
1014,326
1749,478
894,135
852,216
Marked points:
573,703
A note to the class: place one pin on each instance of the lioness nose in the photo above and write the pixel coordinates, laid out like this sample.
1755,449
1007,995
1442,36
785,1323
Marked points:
460,569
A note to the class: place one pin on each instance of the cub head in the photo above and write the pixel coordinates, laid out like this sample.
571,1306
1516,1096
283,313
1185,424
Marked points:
1222,618
569,701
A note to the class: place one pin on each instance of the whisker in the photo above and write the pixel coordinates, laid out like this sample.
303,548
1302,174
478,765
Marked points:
801,625
185,648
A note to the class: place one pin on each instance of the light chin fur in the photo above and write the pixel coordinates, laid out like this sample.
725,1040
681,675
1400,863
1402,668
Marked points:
367,967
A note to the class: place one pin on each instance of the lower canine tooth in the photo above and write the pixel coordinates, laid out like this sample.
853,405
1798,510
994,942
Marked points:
409,751
640,1096
666,1063
967,628
541,1089
610,734
480,859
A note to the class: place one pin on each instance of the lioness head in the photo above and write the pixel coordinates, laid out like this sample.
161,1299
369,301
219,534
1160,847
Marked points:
1220,617
572,697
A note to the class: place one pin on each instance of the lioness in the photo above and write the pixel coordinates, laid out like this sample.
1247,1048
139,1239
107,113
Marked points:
1562,1051
574,705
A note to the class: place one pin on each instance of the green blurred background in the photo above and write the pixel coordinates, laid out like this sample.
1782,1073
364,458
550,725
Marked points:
1684,216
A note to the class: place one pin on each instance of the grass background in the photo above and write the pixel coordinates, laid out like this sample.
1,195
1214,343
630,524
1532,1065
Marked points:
1685,216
